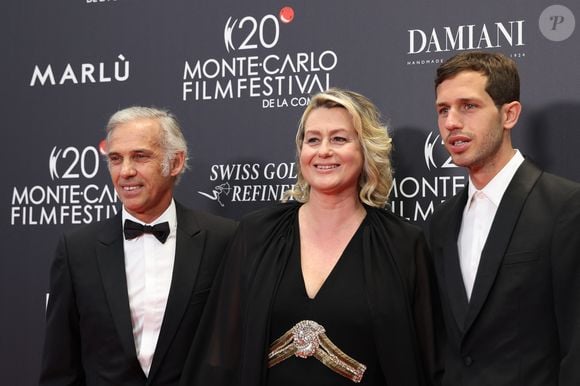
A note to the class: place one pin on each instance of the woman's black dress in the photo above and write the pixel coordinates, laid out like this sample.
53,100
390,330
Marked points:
340,306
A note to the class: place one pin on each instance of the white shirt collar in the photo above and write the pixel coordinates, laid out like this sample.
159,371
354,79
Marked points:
495,188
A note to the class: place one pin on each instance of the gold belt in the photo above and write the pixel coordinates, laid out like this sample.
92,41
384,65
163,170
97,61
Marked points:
307,338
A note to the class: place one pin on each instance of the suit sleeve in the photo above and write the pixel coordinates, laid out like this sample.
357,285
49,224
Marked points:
565,253
215,353
61,358
427,313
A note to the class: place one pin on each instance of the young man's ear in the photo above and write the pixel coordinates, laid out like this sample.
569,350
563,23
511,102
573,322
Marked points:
511,113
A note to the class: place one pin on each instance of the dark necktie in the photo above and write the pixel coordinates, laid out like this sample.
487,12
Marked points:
133,229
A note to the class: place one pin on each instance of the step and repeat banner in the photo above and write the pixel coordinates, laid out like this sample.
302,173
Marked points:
238,74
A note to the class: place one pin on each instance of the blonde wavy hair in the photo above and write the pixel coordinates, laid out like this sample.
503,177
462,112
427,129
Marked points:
376,179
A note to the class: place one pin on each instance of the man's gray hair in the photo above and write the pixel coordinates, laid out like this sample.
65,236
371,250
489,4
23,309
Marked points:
172,139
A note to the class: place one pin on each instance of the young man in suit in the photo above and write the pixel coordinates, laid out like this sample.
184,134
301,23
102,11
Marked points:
126,294
506,248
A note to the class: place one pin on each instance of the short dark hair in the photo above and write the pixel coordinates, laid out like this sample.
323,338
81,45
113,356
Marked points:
503,80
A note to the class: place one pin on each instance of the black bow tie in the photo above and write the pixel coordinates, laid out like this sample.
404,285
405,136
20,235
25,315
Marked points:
133,229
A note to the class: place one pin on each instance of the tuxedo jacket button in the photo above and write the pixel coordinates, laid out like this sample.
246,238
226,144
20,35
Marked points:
467,361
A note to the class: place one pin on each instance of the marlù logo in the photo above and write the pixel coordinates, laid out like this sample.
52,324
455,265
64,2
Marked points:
250,182
278,80
426,46
83,73
69,199
415,197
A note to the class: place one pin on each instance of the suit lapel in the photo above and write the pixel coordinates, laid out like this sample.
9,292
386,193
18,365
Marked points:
451,268
500,235
111,261
189,247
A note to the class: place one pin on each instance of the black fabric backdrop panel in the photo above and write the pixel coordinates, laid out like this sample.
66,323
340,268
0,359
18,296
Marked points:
238,75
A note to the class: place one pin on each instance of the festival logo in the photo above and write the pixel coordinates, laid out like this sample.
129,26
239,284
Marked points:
253,66
71,198
415,197
428,151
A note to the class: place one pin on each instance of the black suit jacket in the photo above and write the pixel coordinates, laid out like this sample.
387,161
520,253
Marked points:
522,325
89,338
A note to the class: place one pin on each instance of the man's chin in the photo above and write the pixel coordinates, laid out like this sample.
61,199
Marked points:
460,161
131,206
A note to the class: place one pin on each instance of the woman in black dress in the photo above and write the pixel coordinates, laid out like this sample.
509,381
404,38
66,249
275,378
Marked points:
328,288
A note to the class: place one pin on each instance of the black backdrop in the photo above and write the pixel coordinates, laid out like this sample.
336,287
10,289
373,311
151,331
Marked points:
238,75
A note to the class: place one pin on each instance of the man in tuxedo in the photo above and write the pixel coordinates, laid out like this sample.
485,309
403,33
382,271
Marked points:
506,248
127,293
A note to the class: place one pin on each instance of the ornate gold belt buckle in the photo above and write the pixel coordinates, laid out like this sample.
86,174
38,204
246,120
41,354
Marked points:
306,338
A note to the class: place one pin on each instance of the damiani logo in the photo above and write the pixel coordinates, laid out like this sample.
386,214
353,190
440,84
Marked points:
466,37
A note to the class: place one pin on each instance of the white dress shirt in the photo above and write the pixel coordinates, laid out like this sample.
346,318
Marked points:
478,216
149,268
